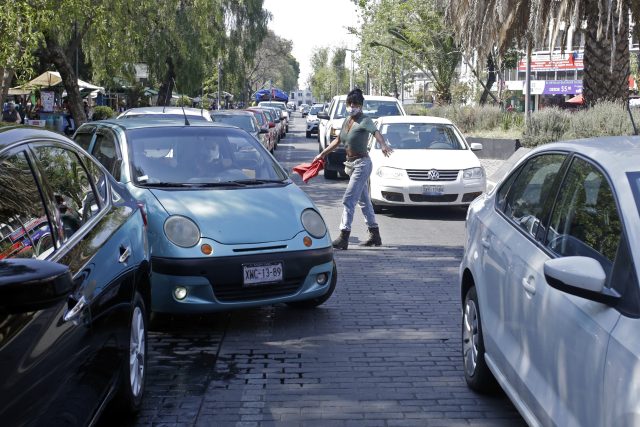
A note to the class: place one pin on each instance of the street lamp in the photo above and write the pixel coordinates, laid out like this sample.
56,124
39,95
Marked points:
351,75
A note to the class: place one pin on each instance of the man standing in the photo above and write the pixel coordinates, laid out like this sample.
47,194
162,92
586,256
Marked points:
11,115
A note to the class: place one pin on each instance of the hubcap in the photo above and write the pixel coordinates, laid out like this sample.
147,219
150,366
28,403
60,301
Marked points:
136,352
470,338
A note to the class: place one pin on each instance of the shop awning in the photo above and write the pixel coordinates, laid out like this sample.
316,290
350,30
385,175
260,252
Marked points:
52,78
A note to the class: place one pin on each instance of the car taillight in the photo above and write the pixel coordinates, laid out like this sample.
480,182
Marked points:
143,213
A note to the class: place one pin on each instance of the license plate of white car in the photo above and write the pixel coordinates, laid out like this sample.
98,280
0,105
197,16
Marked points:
259,274
433,189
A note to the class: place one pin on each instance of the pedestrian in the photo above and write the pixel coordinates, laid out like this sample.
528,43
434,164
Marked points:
355,133
11,115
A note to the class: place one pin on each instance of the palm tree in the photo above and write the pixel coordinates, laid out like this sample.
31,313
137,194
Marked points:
483,24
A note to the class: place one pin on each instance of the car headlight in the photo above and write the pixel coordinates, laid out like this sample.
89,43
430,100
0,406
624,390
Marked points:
473,173
313,223
390,173
181,231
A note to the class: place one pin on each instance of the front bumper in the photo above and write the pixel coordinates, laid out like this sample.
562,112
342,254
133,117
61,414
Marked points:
216,283
312,127
387,192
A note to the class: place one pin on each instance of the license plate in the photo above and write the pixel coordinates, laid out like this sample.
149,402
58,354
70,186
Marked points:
433,189
257,274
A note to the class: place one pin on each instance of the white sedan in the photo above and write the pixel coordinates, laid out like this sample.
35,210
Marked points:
549,285
431,164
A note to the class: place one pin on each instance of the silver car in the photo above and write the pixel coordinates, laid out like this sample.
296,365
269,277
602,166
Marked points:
549,285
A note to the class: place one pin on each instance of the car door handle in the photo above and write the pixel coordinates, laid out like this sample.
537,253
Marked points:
529,285
125,253
486,242
74,313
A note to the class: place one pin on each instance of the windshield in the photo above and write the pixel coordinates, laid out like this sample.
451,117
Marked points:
314,110
164,116
259,117
272,104
183,156
421,136
371,108
242,121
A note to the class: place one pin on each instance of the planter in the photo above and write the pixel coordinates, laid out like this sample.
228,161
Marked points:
495,148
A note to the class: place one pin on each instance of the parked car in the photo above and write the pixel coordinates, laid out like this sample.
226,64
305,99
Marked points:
330,123
549,285
74,299
279,121
244,120
166,113
284,113
304,109
268,133
312,119
431,164
227,227
274,126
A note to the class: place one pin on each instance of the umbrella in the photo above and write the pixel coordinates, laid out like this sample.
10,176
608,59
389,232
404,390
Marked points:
52,78
578,99
309,170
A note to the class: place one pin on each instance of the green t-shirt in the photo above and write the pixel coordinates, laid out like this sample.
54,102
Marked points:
358,136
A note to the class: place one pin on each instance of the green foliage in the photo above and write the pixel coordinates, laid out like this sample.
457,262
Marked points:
102,113
183,101
329,75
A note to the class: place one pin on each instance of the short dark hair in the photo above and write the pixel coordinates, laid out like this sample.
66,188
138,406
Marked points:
355,97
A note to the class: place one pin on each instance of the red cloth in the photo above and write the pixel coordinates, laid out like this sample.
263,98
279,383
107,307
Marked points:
309,170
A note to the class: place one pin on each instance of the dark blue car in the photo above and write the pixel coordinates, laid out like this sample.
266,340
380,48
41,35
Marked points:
74,284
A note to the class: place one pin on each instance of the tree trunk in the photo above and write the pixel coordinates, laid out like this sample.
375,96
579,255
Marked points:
64,66
606,71
166,89
491,79
5,84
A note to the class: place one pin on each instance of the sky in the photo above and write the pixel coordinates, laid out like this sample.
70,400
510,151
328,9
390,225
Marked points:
313,24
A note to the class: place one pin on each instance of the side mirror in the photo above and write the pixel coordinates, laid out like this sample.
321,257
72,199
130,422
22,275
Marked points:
322,115
476,146
264,130
580,276
31,284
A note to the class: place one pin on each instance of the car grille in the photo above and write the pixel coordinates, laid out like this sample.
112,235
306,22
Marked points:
444,198
235,292
423,175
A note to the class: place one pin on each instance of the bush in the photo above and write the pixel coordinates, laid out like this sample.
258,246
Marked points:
102,113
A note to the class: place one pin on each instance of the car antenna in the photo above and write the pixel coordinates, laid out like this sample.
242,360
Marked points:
635,129
186,121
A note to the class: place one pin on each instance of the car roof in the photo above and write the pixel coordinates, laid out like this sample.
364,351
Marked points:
369,98
227,112
189,111
150,122
413,119
9,135
618,154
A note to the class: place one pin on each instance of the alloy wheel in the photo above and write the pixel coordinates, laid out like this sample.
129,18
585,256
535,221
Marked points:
137,352
470,337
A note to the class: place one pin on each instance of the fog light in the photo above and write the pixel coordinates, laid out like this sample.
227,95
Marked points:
307,241
206,249
180,292
322,278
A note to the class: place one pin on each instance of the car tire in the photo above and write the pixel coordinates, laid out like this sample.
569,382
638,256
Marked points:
308,134
330,174
134,369
315,302
476,372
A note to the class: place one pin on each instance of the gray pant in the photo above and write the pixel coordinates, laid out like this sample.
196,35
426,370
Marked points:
358,192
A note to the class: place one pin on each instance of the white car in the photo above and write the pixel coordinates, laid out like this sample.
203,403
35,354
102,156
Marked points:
431,164
331,120
284,113
549,285
312,119
166,113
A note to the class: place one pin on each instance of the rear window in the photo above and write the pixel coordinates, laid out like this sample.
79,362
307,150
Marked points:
164,116
371,108
241,121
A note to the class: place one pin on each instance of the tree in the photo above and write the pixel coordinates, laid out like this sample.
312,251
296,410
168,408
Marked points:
328,74
414,31
483,24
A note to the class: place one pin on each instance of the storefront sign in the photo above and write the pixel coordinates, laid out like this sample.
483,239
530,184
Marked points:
562,87
555,62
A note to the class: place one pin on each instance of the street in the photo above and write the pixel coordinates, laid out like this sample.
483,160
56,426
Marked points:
383,351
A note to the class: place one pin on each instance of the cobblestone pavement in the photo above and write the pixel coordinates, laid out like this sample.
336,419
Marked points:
383,351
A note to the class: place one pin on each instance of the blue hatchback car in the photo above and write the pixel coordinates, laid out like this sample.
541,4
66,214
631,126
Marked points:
227,227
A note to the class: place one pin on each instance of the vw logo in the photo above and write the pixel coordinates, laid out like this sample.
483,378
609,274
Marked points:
433,175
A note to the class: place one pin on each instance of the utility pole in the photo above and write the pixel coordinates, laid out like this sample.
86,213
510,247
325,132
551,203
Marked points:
527,86
402,80
352,51
219,82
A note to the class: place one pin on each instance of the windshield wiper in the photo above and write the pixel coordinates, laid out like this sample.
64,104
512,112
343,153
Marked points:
163,184
257,181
